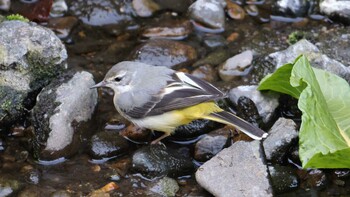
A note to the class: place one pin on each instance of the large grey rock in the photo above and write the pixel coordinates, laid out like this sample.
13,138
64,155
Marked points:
236,171
61,106
30,56
266,103
314,55
280,137
336,9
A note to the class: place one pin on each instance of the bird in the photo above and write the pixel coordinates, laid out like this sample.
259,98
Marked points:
161,99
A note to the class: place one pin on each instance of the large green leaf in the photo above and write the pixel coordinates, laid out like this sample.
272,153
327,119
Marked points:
324,138
279,82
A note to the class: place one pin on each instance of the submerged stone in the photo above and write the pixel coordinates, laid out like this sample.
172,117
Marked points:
165,187
107,144
164,53
102,12
283,178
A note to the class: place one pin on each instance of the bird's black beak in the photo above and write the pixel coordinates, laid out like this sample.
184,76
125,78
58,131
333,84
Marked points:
98,85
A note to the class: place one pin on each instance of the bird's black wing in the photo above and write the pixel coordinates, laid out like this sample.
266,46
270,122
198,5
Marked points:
182,91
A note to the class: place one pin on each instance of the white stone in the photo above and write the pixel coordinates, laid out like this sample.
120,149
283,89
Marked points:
238,65
77,102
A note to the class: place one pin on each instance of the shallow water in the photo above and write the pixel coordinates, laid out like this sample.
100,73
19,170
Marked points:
96,49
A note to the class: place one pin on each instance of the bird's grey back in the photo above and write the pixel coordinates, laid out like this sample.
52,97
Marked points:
146,82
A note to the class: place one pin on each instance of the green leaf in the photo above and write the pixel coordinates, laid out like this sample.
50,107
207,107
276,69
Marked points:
324,99
279,82
324,137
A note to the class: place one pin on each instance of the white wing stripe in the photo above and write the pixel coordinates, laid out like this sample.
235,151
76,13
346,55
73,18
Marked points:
169,90
185,79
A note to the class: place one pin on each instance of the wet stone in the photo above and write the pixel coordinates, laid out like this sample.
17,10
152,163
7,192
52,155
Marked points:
174,5
211,144
60,193
9,186
102,12
235,11
136,134
206,72
164,53
292,8
209,15
2,145
38,55
58,8
145,8
165,187
236,171
214,41
173,30
284,179
32,176
38,10
63,105
236,66
121,166
146,161
314,178
252,10
266,103
106,145
247,110
281,137
336,9
32,191
5,5
343,173
194,129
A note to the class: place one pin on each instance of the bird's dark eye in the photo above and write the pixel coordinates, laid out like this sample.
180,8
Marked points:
117,79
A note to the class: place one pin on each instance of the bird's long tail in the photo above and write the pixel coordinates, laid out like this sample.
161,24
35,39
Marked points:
244,126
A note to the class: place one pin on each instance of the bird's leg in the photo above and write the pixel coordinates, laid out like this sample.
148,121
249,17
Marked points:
156,141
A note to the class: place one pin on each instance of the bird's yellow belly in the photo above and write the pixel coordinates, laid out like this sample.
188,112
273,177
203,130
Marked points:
167,122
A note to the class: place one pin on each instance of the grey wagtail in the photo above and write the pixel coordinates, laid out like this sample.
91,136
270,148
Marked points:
161,99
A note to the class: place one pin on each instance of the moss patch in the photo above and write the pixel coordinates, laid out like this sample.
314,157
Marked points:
17,17
295,36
